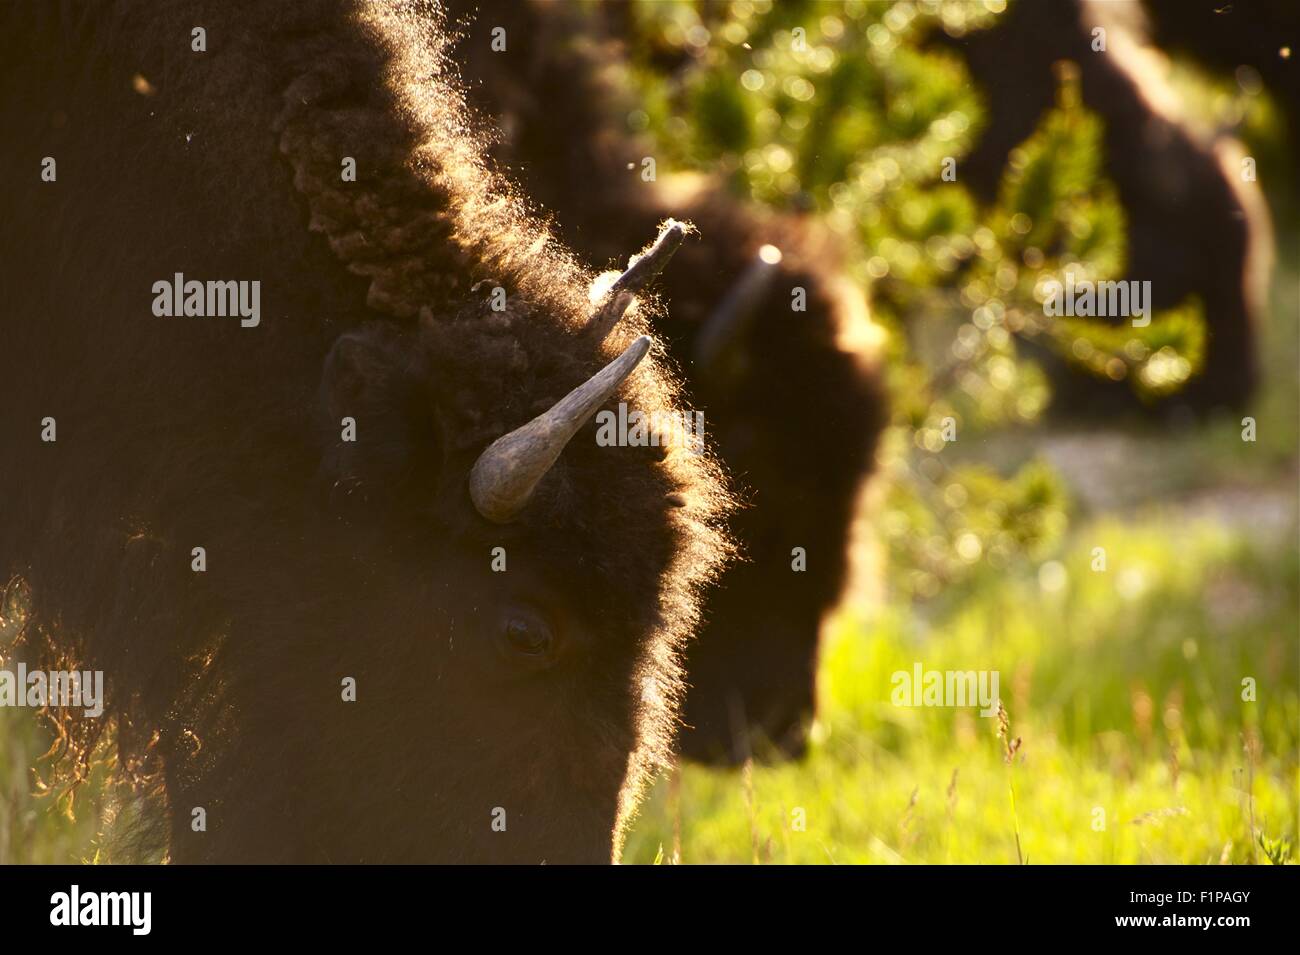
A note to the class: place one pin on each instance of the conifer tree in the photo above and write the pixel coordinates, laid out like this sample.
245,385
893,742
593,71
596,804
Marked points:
848,111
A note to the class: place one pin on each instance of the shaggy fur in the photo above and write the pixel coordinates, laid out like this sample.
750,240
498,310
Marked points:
1194,227
325,560
796,406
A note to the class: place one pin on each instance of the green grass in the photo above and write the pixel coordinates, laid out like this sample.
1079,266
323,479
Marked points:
1124,686
35,825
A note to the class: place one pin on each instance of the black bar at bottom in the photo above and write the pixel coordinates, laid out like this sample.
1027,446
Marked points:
332,904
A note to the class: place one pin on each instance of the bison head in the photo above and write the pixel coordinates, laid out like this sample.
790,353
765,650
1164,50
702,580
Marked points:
485,654
435,620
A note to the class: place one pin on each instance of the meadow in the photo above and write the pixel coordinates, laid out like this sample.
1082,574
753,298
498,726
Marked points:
1124,685
1144,625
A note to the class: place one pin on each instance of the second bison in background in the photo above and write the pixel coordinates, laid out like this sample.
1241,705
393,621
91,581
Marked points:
1194,227
774,339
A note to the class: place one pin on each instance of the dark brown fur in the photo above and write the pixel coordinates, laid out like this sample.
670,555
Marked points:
324,560
796,406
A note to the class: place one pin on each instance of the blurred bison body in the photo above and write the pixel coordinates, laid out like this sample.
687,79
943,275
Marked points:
1260,35
1194,227
793,399
498,716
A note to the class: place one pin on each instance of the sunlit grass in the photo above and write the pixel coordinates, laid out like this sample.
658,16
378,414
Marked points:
1125,686
37,825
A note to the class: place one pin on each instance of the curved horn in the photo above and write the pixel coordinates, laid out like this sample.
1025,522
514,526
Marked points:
505,474
640,270
736,311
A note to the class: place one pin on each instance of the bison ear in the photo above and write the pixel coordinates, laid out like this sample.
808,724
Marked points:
377,429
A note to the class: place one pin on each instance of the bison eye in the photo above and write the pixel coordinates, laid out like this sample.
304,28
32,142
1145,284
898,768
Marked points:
528,637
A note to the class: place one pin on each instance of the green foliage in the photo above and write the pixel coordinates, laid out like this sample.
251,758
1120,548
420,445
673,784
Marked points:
1158,358
800,101
843,109
1047,188
1123,681
945,533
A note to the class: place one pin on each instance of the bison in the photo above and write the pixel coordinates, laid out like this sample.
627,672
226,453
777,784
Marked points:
794,399
1261,36
1195,226
296,401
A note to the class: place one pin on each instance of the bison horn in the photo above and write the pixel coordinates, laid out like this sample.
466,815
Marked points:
640,270
730,319
505,474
